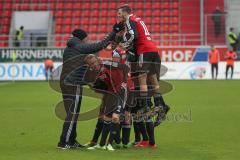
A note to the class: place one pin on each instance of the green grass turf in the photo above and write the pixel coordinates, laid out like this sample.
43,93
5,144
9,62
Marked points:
203,124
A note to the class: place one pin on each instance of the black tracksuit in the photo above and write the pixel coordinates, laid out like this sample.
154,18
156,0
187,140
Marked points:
74,75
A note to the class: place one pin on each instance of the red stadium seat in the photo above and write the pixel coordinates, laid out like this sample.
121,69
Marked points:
93,28
5,29
67,36
75,26
165,28
6,21
175,5
166,12
58,29
51,6
4,44
175,20
58,13
77,6
165,40
139,5
166,5
112,20
103,20
68,13
157,13
33,1
85,13
43,7
113,5
102,29
157,5
104,5
84,20
156,20
59,6
7,13
6,1
44,1
77,13
148,13
67,29
59,21
92,36
139,13
112,13
166,20
148,5
174,29
148,20
77,21
95,13
8,6
35,7
94,20
95,5
25,7
86,5
104,13
156,28
85,27
175,40
68,5
175,12
67,21
63,44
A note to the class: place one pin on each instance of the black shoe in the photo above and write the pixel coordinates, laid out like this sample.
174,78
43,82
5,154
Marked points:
63,146
76,144
166,109
161,115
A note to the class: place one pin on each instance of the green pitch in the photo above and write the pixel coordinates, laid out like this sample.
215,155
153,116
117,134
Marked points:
203,124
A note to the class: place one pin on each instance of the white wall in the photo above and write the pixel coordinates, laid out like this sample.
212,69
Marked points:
36,20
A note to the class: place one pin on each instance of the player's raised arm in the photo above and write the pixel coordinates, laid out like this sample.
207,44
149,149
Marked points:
88,48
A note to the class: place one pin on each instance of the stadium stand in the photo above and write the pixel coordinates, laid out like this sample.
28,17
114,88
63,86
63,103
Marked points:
169,22
93,16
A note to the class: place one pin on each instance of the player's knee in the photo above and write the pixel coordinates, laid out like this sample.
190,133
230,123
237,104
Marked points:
107,118
115,118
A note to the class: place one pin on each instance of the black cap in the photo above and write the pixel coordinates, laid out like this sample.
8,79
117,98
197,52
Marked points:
79,33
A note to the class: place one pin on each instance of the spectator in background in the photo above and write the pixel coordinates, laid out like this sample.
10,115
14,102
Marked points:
233,39
213,59
230,58
48,64
217,20
19,36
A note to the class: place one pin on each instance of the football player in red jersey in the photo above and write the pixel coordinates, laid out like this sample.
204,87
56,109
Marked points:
138,36
112,82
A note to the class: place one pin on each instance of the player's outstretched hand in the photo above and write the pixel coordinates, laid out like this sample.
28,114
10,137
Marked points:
117,27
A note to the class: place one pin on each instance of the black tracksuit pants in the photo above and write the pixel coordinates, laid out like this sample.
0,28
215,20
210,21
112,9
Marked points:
72,104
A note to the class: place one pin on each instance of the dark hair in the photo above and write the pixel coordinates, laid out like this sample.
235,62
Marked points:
125,8
79,33
231,29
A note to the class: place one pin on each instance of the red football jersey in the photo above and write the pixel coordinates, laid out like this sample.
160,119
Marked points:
140,35
113,77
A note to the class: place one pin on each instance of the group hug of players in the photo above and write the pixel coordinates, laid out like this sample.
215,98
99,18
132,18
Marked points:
129,82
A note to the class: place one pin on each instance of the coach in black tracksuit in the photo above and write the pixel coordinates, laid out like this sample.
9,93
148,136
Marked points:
73,77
